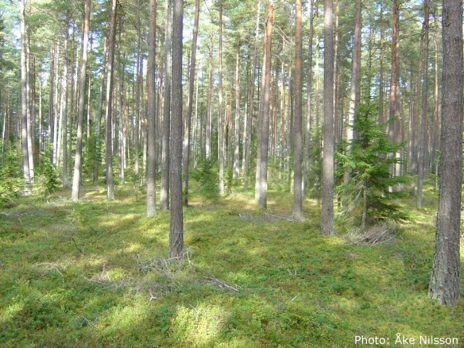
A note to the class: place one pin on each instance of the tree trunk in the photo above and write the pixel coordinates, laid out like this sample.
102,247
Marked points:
327,215
210,93
165,155
247,149
444,283
186,147
151,66
109,104
80,113
100,110
176,242
220,110
64,108
297,134
263,128
24,103
422,144
381,82
355,91
237,113
308,99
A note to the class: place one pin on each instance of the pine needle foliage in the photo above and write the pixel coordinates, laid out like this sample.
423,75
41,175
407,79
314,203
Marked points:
371,190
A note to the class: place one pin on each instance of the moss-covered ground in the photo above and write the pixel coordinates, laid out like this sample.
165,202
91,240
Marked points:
96,274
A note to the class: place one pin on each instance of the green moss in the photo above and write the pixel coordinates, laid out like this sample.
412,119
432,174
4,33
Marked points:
92,274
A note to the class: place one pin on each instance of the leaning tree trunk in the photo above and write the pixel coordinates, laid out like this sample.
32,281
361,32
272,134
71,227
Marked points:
444,283
176,234
151,65
80,114
327,215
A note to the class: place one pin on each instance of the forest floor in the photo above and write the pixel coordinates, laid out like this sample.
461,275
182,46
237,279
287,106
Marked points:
96,274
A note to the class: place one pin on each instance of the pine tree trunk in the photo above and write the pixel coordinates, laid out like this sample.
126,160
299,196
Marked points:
64,108
381,82
422,144
263,128
237,114
298,149
165,153
188,116
80,114
109,104
210,93
444,283
151,66
100,111
176,242
327,215
247,149
24,103
220,109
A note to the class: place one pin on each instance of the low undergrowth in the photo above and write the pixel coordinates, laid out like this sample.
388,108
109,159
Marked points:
96,274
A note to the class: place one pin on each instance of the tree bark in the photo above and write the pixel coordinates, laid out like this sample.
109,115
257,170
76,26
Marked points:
24,103
263,128
444,283
109,104
327,215
210,93
220,110
165,155
237,114
64,107
355,90
186,145
80,113
151,66
422,144
298,144
176,242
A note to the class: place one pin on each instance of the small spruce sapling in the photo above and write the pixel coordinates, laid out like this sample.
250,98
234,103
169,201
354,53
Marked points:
369,160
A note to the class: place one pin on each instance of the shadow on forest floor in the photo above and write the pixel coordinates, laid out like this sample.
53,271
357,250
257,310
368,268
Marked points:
95,273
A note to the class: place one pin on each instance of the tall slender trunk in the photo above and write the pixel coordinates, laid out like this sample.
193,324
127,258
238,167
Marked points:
381,82
445,279
165,153
80,114
436,116
422,144
64,107
109,104
188,116
327,215
247,149
298,134
24,103
151,66
176,242
237,113
210,93
220,110
100,112
355,90
263,133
